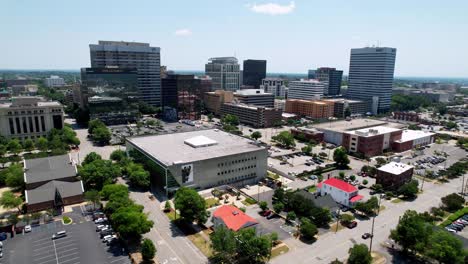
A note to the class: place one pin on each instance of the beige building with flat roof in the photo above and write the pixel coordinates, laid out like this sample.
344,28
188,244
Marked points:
214,100
29,117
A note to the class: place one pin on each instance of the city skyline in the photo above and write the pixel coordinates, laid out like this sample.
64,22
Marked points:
287,34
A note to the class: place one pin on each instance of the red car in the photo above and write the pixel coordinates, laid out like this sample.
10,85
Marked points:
266,212
351,225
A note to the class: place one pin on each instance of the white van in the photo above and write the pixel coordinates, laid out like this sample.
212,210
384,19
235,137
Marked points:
59,234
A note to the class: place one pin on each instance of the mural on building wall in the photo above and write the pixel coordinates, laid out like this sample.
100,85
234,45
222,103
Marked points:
187,173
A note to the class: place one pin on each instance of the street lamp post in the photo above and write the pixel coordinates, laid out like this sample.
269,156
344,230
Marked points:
373,221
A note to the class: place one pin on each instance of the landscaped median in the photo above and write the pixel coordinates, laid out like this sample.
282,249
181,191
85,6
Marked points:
66,220
454,216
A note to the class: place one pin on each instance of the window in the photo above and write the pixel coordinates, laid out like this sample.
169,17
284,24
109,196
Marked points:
12,126
43,123
18,126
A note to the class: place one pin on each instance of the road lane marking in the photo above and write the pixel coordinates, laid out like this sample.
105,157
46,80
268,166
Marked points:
119,259
48,256
47,261
63,261
68,250
63,256
55,249
43,248
42,253
73,244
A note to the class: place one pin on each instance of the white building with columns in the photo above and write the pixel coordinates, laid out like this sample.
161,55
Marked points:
29,117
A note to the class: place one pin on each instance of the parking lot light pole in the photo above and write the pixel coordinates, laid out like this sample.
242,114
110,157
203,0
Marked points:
373,221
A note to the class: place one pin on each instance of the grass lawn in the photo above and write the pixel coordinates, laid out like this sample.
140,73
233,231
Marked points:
172,215
333,227
397,200
210,202
200,242
312,189
249,201
279,250
272,175
67,220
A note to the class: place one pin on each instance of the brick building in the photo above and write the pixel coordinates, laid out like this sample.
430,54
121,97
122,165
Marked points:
412,139
406,116
371,141
308,133
255,116
393,175
309,108
213,100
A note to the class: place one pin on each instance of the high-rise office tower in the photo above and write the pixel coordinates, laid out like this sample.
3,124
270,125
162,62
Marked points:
254,72
306,89
332,79
143,57
371,76
224,72
311,74
181,97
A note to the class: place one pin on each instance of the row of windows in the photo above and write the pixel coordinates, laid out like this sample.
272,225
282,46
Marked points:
237,169
25,125
29,112
239,178
228,163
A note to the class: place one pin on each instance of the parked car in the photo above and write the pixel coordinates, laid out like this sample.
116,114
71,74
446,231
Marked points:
3,236
104,239
59,234
352,225
27,229
266,212
451,230
100,227
100,220
271,215
366,236
106,233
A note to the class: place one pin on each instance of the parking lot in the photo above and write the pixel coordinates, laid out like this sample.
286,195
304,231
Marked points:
297,163
82,245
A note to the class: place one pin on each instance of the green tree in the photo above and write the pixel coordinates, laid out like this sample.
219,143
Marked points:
336,261
263,205
445,248
131,222
340,156
109,189
138,176
307,229
368,207
410,189
148,250
230,120
98,173
14,146
347,112
285,139
92,156
380,161
341,175
278,195
28,145
118,155
345,219
412,232
278,207
223,243
93,196
291,216
365,182
352,177
42,144
93,124
13,219
210,117
117,201
14,176
9,200
359,254
453,202
252,248
307,149
256,135
414,127
191,206
102,135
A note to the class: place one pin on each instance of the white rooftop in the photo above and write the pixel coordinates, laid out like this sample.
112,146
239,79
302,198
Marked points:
409,135
181,147
373,131
251,92
395,168
200,141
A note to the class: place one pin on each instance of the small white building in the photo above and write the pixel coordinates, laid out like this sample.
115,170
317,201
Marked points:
341,191
54,81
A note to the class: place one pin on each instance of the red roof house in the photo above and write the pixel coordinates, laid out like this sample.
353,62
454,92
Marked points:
233,218
341,191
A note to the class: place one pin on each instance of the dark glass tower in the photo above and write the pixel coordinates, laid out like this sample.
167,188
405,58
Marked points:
254,72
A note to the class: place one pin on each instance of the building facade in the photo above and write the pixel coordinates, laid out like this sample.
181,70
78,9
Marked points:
308,134
30,117
371,76
331,78
253,72
232,218
212,101
311,74
341,191
182,97
306,89
371,141
393,175
140,56
255,97
309,108
356,107
200,159
412,139
406,116
54,81
255,116
111,94
275,86
224,73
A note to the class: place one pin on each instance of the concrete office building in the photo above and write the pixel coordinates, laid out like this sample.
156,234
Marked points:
412,139
224,72
54,81
201,159
29,117
255,97
253,72
309,108
393,175
332,79
213,100
255,116
24,90
356,107
141,56
311,74
371,77
275,86
306,89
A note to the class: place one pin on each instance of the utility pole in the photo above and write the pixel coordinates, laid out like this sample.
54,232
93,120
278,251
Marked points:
337,220
373,221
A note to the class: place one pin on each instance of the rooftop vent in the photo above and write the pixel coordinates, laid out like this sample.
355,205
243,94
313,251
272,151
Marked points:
200,141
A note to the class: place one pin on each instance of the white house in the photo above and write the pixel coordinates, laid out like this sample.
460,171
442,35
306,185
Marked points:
341,191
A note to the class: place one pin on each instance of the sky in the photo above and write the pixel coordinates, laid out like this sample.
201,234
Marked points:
431,36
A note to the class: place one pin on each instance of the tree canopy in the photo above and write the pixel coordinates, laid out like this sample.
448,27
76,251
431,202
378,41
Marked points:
359,254
13,176
453,202
138,176
307,229
191,206
412,232
118,189
445,248
131,222
98,173
148,250
340,156
92,156
410,189
285,139
9,200
256,135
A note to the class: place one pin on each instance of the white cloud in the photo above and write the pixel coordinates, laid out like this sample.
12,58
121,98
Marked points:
183,32
272,8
